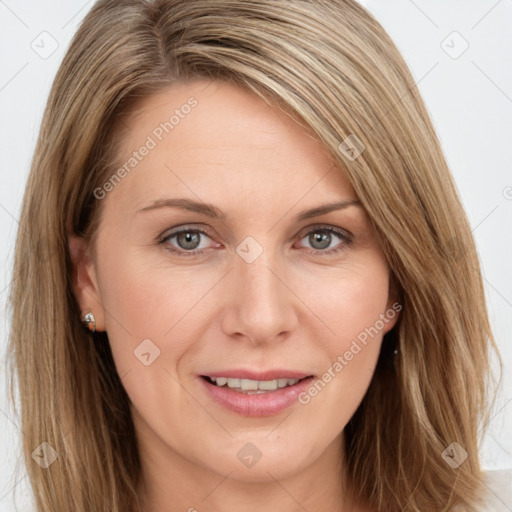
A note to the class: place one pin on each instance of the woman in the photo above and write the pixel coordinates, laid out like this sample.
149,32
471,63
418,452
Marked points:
260,288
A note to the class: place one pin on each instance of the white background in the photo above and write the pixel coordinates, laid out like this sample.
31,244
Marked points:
469,99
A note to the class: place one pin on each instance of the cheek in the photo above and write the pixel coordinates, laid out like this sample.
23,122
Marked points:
160,304
347,300
350,306
152,320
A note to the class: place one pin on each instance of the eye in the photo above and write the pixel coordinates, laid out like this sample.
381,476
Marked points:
187,241
321,238
192,241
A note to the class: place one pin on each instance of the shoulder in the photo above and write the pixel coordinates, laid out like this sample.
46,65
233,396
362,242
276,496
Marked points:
498,491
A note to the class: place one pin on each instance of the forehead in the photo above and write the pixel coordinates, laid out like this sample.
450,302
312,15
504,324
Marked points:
217,138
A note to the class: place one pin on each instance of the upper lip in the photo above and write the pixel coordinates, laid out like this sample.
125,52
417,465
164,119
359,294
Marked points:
238,373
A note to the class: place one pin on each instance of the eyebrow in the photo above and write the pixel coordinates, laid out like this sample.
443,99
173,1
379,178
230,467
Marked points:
211,211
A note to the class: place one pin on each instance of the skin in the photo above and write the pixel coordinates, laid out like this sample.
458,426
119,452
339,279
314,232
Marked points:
290,308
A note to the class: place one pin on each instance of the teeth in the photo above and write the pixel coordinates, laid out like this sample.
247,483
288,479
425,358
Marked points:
282,383
253,385
247,385
220,381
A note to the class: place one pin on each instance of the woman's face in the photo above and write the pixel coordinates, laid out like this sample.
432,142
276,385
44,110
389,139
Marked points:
254,287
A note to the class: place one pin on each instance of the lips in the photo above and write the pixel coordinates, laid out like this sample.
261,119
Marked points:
276,390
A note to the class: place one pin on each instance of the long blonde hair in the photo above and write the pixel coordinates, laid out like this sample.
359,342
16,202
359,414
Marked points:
331,66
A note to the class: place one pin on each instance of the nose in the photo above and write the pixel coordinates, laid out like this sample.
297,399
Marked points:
260,306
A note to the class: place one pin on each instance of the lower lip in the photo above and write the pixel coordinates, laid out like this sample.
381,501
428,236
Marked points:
256,405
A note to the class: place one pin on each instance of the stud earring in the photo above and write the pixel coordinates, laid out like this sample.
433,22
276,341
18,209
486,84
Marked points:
89,321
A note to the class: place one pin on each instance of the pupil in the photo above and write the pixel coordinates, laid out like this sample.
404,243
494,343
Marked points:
324,240
188,240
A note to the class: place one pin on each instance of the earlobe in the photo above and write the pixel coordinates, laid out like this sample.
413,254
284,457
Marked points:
84,281
393,306
391,314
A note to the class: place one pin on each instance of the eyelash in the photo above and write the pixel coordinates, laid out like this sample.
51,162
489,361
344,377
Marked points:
346,240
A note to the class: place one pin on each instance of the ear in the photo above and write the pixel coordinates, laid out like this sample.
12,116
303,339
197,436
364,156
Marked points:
393,306
84,280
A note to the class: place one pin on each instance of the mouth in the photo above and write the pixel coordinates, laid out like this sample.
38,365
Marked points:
256,398
250,386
